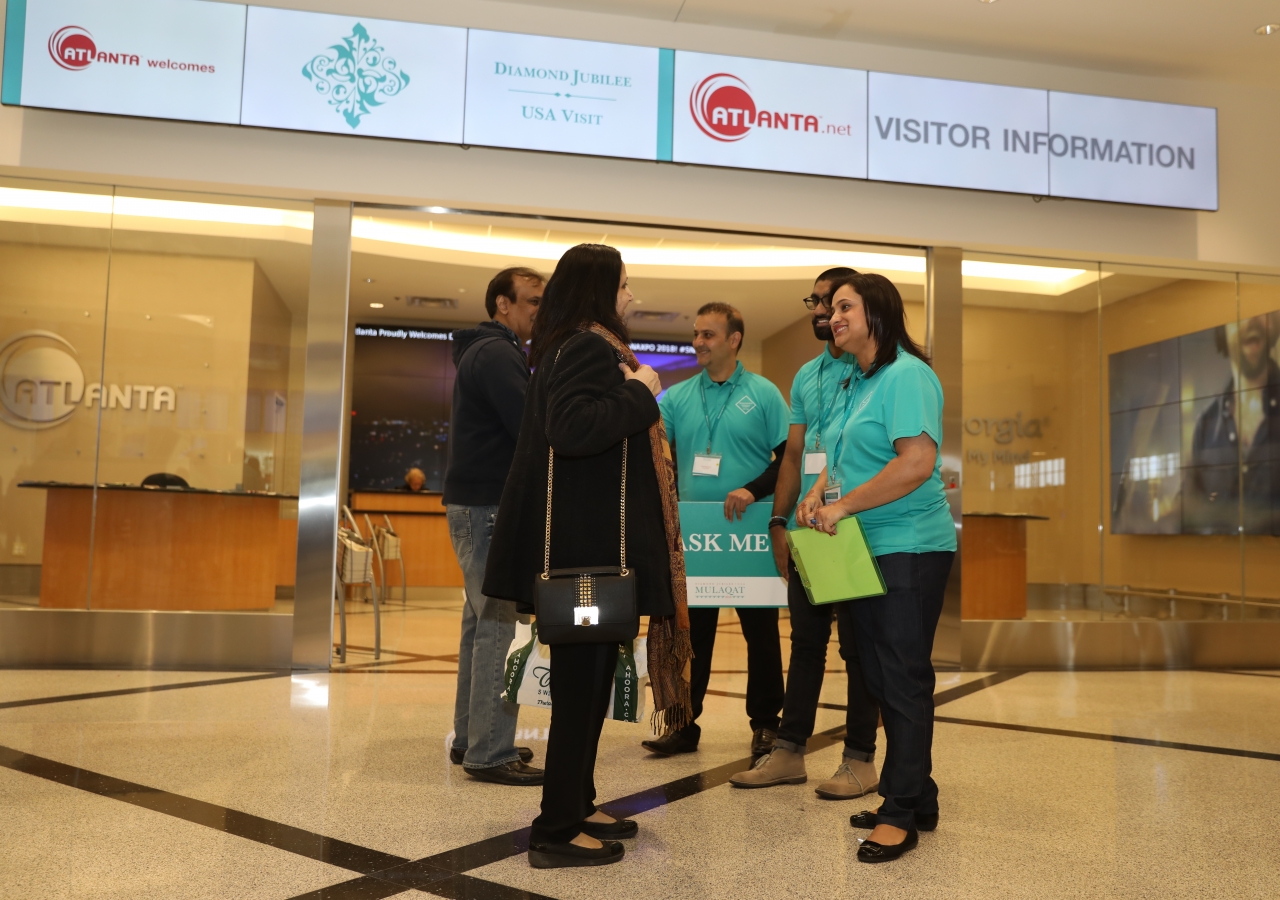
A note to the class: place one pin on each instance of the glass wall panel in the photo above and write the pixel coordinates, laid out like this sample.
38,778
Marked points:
1031,448
55,253
200,403
1172,542
1258,337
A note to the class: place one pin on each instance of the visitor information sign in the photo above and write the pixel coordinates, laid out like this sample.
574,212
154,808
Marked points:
730,563
275,68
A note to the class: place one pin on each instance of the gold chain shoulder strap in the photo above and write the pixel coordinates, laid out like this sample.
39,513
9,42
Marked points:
551,459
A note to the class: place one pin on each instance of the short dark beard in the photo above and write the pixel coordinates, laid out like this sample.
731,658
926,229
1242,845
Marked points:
821,332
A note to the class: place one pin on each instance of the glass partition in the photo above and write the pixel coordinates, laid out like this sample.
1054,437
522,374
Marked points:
1030,442
151,354
55,254
1172,541
200,403
1258,337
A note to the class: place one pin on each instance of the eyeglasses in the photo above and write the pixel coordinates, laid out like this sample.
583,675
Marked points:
813,300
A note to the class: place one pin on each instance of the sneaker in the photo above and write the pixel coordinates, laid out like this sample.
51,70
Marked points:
670,745
762,741
778,766
853,779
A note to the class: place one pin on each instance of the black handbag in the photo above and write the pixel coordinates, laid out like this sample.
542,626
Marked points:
592,605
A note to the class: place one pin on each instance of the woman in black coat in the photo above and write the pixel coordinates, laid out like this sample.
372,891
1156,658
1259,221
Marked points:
581,402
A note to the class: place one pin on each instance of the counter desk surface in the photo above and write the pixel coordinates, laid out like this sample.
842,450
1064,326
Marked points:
993,565
158,548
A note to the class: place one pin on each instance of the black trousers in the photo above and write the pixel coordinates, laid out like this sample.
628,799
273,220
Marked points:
581,682
810,634
765,690
895,642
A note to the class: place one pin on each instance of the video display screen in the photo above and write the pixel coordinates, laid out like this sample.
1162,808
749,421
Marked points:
402,399
1195,426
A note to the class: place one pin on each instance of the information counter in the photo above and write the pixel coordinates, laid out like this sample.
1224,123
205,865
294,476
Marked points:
419,519
993,560
158,548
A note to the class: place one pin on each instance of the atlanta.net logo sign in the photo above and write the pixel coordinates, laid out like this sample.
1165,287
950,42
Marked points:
724,110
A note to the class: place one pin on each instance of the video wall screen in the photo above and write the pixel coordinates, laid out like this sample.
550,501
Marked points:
1195,427
402,398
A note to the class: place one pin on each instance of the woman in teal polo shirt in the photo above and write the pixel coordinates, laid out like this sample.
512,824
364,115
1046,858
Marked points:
886,469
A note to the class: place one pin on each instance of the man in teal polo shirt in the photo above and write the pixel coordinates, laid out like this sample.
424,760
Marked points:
728,431
818,392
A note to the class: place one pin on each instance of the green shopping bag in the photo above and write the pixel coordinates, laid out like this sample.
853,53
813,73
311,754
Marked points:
527,679
836,567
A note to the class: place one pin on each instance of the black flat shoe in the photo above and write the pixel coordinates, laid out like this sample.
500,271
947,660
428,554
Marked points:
513,773
670,745
617,830
871,852
456,755
564,856
868,820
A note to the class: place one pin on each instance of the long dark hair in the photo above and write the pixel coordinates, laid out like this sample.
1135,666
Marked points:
886,319
583,289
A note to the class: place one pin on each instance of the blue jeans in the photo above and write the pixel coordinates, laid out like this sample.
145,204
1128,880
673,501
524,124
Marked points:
895,640
484,725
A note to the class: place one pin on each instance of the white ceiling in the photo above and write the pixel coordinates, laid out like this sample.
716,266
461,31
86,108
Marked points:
1189,38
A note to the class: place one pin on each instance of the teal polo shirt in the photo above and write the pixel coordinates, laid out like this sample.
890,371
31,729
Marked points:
903,399
753,422
816,395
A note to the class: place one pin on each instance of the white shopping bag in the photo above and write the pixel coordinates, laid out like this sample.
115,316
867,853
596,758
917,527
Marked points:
527,681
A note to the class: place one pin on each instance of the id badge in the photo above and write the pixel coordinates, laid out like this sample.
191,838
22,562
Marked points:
832,493
814,462
706,464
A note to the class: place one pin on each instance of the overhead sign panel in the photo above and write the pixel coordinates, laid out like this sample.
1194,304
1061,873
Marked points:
958,134
1132,151
354,75
542,93
167,59
761,114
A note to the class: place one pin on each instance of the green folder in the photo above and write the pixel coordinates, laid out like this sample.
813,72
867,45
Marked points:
836,567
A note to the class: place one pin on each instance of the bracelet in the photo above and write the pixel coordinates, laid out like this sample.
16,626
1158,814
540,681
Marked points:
778,520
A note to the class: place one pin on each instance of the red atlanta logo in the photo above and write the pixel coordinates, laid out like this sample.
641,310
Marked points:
73,48
724,110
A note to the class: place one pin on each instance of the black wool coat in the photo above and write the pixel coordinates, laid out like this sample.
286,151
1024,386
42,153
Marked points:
581,405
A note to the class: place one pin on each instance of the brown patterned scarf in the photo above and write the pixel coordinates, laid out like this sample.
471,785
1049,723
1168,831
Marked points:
670,649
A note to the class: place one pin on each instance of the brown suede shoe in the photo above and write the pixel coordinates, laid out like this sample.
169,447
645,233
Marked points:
776,767
853,779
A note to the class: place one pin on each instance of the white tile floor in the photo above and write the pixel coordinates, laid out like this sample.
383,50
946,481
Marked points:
360,756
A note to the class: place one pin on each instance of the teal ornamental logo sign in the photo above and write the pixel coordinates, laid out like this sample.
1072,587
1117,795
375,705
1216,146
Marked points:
356,75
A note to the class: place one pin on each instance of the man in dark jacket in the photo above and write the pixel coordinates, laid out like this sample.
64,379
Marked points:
488,404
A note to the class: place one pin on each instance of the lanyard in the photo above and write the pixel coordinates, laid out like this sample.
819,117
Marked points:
848,407
706,414
822,401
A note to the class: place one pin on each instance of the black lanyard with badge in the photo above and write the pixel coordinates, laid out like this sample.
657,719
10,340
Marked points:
708,463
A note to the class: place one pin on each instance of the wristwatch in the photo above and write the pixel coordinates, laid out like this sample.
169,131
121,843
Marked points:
778,520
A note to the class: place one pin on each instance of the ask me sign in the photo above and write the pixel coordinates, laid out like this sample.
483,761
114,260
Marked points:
729,563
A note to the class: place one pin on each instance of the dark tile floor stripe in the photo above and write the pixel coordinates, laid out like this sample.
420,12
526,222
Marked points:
950,695
220,818
364,888
147,689
465,887
1112,738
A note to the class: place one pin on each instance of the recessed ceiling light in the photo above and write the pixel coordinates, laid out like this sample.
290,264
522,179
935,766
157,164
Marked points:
1267,29
368,281
988,1
375,306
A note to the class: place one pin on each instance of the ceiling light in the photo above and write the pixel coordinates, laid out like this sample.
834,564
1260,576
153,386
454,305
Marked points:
1267,29
369,281
375,306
